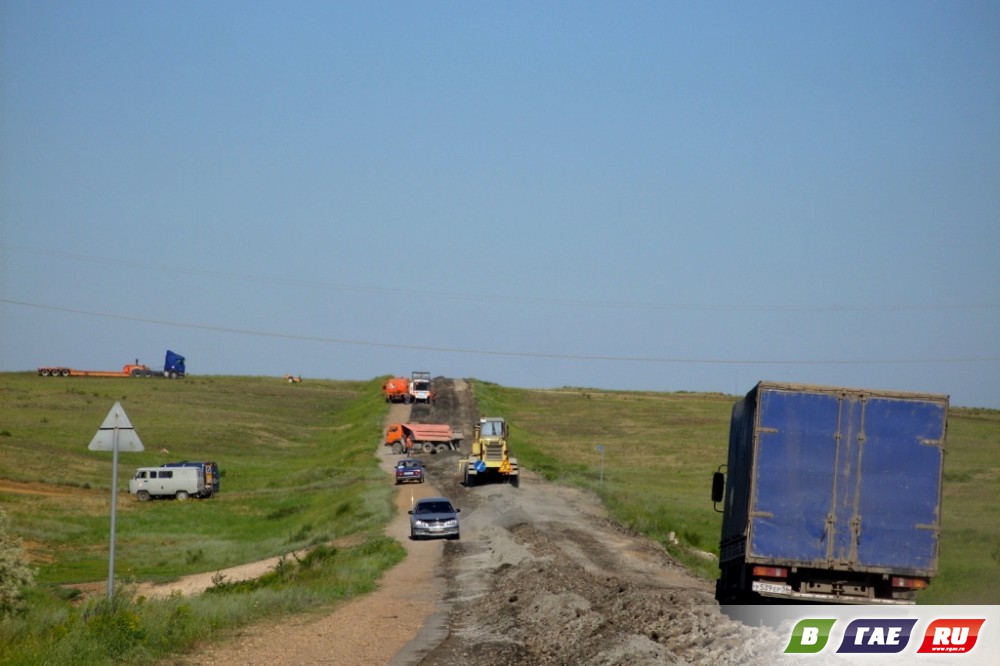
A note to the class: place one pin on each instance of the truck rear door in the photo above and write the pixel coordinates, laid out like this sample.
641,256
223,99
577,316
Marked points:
845,480
793,476
899,484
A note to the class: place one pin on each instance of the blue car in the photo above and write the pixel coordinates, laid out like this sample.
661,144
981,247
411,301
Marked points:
409,469
434,517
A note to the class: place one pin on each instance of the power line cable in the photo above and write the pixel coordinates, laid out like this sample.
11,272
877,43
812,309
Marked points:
493,352
312,284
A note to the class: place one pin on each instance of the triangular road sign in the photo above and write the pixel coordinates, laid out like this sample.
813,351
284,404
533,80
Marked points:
116,418
116,423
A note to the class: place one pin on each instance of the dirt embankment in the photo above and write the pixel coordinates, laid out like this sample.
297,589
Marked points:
539,576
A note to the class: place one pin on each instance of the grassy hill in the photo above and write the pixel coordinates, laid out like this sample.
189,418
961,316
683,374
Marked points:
298,469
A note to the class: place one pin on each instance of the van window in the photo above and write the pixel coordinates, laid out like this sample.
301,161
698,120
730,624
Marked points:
166,474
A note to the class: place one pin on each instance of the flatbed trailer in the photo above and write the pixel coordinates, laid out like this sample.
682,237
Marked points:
173,367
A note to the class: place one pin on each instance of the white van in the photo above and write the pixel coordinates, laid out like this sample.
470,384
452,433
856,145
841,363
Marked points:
179,482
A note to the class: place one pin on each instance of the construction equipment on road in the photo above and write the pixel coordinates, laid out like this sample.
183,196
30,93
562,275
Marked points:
490,458
422,438
420,387
173,367
397,389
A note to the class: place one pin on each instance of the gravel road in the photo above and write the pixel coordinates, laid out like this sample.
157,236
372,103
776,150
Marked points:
539,576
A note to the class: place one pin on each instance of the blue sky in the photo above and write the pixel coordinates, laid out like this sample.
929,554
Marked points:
643,196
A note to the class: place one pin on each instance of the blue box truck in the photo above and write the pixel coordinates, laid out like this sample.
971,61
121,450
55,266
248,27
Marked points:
830,495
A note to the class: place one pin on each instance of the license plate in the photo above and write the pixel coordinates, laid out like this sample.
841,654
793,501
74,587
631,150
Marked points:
772,588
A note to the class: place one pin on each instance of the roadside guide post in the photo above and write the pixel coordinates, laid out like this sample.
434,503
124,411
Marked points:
116,433
600,447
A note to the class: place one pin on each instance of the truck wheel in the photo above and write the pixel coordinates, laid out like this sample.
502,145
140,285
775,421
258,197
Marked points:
143,496
428,447
397,448
515,480
182,495
65,373
441,448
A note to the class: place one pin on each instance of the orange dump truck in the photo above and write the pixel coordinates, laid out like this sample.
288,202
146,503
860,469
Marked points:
397,389
422,437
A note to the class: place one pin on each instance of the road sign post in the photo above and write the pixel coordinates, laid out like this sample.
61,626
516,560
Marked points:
600,448
116,433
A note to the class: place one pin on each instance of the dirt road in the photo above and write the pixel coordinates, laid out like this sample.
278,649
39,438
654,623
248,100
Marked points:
540,576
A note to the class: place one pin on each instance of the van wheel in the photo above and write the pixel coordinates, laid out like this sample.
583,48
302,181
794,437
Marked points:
182,495
143,496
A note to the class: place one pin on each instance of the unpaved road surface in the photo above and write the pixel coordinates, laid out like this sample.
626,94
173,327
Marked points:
539,576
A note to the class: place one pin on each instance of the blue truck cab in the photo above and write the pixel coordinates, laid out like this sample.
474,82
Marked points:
173,365
830,495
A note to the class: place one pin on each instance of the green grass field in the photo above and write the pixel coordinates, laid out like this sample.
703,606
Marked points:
299,469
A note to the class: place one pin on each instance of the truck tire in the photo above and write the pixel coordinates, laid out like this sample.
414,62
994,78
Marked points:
143,495
441,448
182,495
65,373
397,448
428,447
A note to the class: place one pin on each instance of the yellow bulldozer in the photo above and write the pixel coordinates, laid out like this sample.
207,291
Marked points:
490,459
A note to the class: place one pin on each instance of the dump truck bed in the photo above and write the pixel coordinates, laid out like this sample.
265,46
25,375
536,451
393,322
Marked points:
431,432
